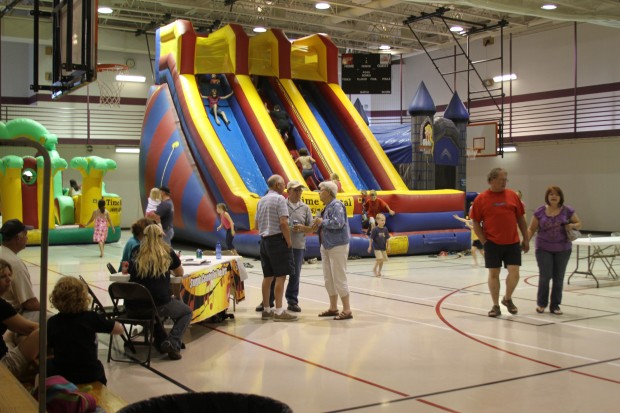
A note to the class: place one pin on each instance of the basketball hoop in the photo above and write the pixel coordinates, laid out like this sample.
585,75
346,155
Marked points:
471,153
109,87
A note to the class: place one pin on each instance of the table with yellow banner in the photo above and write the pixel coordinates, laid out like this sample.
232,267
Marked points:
207,285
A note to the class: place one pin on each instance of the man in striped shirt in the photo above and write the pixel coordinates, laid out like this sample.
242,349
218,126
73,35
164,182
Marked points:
276,255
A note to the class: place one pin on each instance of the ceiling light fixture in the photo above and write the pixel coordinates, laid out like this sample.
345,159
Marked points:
130,78
548,7
504,78
127,149
385,47
322,6
259,29
510,148
457,29
104,10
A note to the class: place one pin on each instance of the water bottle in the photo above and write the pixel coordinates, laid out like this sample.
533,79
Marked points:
198,253
218,251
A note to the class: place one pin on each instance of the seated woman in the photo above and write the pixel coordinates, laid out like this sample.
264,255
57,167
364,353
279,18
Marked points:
72,333
151,264
137,230
16,359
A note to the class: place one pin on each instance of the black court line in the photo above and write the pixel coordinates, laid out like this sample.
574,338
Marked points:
474,386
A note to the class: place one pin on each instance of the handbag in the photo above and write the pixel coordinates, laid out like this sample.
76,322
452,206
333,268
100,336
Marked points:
572,234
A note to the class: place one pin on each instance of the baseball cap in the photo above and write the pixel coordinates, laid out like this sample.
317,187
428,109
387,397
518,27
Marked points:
165,189
294,185
12,227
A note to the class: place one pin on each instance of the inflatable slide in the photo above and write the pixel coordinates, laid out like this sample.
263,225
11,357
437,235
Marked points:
206,161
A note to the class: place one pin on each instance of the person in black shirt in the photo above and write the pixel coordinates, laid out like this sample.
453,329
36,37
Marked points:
282,121
72,333
16,359
151,264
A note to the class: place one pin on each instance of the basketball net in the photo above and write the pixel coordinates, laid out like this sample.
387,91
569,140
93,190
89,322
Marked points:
471,153
110,88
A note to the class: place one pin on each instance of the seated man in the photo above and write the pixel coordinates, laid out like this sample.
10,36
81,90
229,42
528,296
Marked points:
20,295
16,359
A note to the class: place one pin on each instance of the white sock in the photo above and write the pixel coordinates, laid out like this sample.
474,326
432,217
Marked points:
279,311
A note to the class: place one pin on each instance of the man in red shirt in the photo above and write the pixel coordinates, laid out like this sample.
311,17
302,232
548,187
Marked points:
496,213
373,206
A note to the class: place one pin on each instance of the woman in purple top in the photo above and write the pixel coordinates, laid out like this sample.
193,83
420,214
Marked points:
553,248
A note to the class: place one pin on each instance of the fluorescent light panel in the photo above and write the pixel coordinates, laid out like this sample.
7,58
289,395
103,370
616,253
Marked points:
456,29
510,148
259,29
385,47
127,149
548,7
131,78
505,78
322,6
105,10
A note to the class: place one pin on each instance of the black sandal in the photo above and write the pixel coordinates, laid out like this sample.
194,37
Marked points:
495,311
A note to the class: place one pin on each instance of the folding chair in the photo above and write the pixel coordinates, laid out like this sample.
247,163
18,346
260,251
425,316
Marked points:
111,268
142,312
96,305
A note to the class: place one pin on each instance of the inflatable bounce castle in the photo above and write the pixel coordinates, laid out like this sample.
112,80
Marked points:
205,163
21,192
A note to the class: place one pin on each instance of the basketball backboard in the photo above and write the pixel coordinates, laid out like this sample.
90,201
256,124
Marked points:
74,42
483,137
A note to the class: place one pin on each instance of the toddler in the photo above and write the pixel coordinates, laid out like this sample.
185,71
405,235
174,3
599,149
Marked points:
379,241
153,202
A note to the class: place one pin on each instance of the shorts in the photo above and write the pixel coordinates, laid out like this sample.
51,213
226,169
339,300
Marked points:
495,254
381,255
276,258
15,361
478,244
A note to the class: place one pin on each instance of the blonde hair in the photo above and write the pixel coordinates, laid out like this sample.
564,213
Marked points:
155,194
70,296
153,258
334,177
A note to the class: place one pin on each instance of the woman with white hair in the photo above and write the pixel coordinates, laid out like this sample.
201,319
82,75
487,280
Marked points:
334,234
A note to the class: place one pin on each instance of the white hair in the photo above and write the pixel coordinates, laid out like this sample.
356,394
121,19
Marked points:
329,186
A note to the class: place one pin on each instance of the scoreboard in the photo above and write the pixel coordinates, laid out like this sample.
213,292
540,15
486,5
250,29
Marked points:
366,73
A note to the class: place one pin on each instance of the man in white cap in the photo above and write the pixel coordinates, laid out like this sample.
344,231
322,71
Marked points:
21,294
300,221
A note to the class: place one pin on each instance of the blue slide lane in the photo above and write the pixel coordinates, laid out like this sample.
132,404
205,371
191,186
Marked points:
236,146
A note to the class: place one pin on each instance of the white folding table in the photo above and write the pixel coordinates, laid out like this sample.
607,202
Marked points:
604,249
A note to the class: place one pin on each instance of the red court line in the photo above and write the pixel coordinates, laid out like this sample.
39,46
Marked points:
308,361
443,319
437,406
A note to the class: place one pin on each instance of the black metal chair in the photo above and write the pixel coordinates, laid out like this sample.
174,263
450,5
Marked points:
96,305
141,312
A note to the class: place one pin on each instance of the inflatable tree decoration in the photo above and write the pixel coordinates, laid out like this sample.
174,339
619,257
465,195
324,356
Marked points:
11,186
93,169
58,164
34,131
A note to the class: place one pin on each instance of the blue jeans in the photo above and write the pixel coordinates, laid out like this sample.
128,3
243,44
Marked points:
552,266
181,314
168,235
292,288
